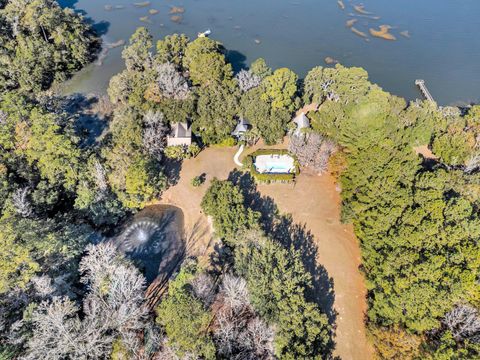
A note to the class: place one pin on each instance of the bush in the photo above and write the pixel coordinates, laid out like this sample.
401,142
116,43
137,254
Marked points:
180,152
228,142
197,181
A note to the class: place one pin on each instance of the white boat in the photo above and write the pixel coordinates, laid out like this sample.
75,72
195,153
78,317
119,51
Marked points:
205,33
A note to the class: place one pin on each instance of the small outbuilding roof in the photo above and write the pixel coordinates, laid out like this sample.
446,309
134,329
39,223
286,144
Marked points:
181,134
302,121
181,130
241,128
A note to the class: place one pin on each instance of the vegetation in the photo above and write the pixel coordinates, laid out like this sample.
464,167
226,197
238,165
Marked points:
302,330
41,43
417,219
248,163
192,80
417,223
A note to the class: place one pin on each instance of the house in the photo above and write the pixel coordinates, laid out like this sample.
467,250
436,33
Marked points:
242,127
302,122
181,134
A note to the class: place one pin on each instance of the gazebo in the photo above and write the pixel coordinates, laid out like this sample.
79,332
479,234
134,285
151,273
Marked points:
242,127
181,134
302,122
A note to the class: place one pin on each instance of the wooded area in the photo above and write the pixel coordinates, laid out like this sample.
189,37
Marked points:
64,187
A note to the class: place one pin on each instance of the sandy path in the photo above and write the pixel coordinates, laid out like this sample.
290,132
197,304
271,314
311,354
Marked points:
312,201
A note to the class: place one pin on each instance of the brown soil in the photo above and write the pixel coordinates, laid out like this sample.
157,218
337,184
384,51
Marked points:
309,107
177,10
383,33
425,151
312,201
358,32
176,18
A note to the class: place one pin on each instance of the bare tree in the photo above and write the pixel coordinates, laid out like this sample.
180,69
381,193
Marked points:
234,291
59,333
155,134
247,80
473,163
204,288
261,336
113,307
239,333
100,176
312,150
43,285
464,323
22,203
171,83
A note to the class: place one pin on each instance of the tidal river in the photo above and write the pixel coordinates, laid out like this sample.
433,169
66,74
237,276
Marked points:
429,39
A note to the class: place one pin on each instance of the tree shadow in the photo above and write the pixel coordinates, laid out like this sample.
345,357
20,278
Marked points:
282,229
171,169
67,3
88,124
237,59
297,236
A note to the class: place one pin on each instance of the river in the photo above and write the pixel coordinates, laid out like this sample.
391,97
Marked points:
441,45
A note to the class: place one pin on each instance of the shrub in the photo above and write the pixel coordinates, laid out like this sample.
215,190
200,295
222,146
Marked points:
197,181
180,152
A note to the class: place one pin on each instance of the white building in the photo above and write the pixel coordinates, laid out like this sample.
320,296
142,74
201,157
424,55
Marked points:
181,134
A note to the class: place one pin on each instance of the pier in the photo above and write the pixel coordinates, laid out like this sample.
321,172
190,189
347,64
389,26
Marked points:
423,88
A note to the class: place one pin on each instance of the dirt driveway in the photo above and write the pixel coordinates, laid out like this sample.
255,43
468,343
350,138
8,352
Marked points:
313,202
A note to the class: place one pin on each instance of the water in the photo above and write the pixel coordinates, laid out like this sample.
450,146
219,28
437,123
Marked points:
154,240
443,49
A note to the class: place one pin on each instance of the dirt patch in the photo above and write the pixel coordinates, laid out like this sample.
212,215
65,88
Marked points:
425,151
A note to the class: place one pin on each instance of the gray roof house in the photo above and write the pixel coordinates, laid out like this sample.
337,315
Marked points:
242,127
302,123
181,134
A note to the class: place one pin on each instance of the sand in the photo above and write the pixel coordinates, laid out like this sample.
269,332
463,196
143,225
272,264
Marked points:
383,33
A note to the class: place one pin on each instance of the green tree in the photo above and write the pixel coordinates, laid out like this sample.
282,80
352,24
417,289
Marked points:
225,203
54,153
137,54
206,63
42,43
216,110
259,67
185,319
172,49
280,89
270,123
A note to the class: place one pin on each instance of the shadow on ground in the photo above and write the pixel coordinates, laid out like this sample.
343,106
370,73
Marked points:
282,229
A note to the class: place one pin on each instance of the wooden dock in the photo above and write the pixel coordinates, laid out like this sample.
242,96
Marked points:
423,88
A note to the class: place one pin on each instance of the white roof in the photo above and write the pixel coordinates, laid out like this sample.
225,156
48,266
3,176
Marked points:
181,134
302,121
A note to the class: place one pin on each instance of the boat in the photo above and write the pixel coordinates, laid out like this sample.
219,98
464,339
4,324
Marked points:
204,34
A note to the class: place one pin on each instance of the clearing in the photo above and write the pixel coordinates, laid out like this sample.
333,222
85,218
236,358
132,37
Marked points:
313,202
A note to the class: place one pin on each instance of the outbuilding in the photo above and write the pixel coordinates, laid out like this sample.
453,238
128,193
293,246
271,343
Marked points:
181,134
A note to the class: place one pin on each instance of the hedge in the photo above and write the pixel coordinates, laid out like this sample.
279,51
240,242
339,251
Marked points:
248,163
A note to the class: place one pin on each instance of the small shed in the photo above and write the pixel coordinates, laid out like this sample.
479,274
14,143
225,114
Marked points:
302,122
181,134
242,127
